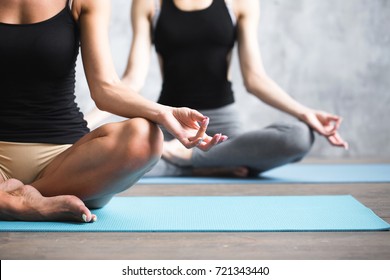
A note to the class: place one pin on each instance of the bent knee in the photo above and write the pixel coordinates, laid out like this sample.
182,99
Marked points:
294,140
144,135
301,139
140,142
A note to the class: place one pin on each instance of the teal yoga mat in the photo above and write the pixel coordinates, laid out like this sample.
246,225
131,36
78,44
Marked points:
298,173
221,214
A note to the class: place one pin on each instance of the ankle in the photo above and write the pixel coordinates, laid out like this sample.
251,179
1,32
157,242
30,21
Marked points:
176,153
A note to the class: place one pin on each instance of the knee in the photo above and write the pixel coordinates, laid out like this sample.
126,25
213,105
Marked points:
135,143
300,140
144,142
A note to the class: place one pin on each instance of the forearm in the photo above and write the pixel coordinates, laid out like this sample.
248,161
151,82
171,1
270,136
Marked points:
259,84
272,94
117,98
255,77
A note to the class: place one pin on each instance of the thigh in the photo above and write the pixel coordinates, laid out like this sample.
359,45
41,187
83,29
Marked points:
3,166
261,149
104,162
24,161
224,120
3,176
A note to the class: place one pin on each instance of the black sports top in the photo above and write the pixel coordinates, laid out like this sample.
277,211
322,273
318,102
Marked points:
37,81
194,47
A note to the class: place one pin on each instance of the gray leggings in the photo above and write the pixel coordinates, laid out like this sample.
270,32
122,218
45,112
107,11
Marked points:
258,150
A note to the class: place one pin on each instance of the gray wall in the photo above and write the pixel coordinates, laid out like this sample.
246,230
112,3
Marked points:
332,55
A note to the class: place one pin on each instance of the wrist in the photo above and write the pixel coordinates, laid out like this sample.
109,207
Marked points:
304,114
161,114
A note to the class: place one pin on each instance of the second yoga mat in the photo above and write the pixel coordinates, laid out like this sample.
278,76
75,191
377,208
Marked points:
221,214
294,174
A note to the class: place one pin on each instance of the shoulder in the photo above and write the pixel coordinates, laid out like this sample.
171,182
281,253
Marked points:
144,7
147,4
82,7
245,7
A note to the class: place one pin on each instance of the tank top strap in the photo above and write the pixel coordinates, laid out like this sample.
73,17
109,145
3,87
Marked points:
157,5
157,11
70,3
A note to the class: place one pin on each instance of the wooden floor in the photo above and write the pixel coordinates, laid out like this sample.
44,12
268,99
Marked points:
211,246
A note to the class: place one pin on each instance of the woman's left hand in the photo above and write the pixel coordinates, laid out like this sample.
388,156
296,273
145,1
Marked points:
189,127
327,125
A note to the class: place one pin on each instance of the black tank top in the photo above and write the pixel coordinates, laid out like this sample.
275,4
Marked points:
194,47
37,81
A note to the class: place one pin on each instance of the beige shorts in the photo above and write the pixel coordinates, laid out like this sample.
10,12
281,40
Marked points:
26,161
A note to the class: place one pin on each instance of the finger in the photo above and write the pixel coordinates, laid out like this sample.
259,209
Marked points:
326,129
338,122
223,138
202,130
332,129
318,127
189,144
341,141
324,123
197,116
335,120
338,138
207,144
337,141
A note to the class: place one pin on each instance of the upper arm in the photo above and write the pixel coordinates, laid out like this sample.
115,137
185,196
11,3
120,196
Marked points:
95,47
139,57
248,46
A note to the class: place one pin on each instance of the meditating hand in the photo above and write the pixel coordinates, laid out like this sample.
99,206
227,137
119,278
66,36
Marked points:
189,127
327,125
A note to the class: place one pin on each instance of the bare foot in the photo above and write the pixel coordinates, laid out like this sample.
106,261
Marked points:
240,172
176,153
24,202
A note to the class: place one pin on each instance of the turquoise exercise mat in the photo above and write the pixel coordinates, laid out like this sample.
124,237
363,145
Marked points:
221,214
298,173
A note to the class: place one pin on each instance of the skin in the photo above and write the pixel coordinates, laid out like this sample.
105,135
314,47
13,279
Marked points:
256,80
110,158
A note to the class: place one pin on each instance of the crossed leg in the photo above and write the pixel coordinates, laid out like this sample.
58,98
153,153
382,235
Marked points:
246,154
104,162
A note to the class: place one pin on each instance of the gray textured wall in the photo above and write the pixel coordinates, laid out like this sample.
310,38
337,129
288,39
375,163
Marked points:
332,55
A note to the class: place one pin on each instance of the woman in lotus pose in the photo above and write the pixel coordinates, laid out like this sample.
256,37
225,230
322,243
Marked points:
51,166
194,40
